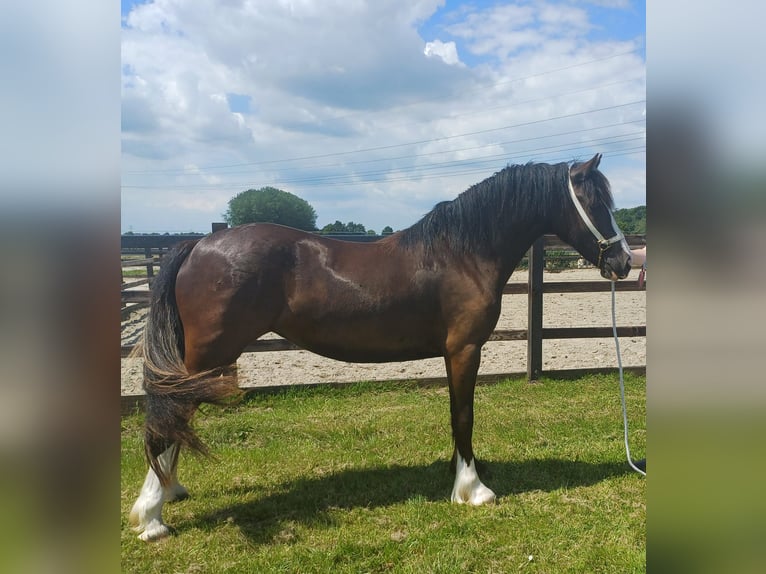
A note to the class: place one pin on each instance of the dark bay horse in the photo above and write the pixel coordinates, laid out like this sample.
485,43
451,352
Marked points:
431,290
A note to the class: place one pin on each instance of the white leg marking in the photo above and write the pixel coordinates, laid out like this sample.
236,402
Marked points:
468,488
146,514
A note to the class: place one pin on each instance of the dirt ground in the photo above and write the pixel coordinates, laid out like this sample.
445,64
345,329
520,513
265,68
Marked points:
559,310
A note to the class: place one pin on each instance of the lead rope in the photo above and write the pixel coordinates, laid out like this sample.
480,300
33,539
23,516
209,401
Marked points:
622,386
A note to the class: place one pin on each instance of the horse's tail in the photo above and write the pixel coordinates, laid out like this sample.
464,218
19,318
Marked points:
172,393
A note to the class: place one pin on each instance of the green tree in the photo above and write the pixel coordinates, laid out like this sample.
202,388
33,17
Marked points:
355,227
631,220
387,230
270,205
339,227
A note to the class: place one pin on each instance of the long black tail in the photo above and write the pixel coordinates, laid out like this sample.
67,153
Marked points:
172,393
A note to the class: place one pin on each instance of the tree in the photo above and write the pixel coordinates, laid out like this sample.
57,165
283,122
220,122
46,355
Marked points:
631,220
352,227
387,230
339,227
270,205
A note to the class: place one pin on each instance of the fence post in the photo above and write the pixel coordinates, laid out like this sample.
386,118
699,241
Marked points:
149,266
535,310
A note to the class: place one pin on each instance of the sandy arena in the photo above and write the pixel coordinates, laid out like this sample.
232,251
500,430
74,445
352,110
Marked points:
560,310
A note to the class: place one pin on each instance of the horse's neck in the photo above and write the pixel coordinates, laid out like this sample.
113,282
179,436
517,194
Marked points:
520,240
497,269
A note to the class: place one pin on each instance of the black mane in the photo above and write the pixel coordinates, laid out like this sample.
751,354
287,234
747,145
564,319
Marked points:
479,219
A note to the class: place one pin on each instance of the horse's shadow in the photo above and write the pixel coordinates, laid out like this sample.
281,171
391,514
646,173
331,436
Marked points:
310,500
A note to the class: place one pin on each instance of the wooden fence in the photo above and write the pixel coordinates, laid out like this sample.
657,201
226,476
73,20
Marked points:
149,249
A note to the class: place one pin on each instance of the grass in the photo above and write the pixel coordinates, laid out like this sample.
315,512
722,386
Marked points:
357,480
134,273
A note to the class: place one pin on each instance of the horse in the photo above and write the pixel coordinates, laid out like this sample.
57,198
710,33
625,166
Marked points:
433,289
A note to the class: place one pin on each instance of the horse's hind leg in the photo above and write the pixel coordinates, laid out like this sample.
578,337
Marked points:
146,514
175,491
462,367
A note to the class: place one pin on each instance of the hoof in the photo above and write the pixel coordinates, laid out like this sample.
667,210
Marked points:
177,494
481,496
476,497
147,522
155,532
468,489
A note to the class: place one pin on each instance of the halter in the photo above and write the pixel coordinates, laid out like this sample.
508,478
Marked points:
603,244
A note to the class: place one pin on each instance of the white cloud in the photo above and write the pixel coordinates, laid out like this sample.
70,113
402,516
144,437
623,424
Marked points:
498,30
326,81
504,30
207,178
446,51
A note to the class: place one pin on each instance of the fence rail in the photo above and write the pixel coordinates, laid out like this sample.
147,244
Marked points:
534,288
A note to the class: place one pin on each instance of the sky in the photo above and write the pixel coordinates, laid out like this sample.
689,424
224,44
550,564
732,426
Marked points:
372,111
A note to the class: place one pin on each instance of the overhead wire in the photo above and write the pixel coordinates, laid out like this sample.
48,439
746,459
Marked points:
411,143
428,101
413,171
399,170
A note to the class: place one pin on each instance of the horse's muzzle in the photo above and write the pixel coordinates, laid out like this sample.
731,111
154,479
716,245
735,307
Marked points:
615,269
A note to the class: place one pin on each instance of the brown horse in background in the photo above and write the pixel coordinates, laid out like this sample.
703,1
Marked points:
434,289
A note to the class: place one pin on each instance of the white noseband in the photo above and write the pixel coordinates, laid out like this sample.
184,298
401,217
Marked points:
603,244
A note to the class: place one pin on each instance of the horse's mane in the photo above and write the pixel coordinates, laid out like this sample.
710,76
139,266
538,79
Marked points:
479,218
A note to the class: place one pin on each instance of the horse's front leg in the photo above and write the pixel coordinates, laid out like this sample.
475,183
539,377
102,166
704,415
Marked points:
462,367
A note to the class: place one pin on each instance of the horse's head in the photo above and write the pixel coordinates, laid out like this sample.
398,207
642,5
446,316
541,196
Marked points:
588,222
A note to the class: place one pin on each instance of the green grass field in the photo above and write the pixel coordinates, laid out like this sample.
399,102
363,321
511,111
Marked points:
357,480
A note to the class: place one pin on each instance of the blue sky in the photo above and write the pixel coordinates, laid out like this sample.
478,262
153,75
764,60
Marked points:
372,111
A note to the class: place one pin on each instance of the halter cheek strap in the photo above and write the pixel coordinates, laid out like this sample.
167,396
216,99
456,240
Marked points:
603,244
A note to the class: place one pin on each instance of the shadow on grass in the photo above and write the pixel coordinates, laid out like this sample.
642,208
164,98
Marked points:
310,500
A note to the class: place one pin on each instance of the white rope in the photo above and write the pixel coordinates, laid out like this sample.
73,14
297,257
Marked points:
622,386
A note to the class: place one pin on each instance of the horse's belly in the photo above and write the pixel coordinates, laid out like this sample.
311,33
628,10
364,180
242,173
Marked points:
364,345
362,324
357,355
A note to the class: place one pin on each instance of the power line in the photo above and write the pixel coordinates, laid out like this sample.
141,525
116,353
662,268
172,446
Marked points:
418,173
430,100
419,142
476,170
457,150
521,102
481,165
483,160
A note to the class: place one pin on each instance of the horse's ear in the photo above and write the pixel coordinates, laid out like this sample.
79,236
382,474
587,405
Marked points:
581,171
